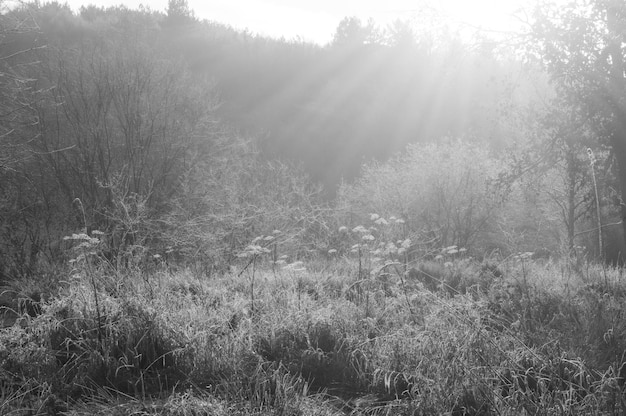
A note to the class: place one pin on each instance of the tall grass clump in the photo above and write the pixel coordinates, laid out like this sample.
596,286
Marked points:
368,331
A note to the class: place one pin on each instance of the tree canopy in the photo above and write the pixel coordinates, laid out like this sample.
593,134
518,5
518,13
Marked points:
583,47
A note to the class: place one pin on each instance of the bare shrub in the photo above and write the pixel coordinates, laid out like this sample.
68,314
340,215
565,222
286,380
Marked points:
447,194
233,198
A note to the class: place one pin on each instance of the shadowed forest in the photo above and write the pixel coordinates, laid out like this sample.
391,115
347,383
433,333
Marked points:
197,220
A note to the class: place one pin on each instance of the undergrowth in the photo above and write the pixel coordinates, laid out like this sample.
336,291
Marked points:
465,337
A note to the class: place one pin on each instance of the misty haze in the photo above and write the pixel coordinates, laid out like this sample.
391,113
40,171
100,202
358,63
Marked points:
419,212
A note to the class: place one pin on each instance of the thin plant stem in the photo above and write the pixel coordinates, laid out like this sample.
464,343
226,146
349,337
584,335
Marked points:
592,162
93,283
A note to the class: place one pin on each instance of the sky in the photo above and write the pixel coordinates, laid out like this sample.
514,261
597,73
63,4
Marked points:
316,20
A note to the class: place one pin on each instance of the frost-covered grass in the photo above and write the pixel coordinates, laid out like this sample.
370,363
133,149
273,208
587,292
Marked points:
322,340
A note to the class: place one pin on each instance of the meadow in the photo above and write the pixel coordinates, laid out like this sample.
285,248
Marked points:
198,220
330,335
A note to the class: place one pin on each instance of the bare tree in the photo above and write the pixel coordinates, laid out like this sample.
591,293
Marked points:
17,90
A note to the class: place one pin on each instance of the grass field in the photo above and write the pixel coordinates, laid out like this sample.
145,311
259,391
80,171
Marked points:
328,337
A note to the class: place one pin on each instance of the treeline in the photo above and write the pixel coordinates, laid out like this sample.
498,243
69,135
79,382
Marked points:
366,95
106,129
174,135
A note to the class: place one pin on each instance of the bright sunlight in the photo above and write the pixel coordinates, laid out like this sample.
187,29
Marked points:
317,21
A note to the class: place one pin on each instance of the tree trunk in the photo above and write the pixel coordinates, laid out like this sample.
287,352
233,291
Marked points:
618,143
615,93
571,200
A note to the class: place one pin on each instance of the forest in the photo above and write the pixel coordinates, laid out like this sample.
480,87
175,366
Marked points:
200,220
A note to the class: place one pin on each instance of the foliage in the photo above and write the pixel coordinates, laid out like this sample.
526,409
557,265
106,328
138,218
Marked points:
18,121
128,121
445,194
352,33
235,197
175,266
115,126
17,90
582,48
489,350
